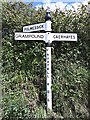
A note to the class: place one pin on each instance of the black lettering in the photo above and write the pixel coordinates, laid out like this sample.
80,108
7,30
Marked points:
47,61
17,35
38,27
22,36
42,36
47,64
47,68
47,73
61,36
35,27
47,76
56,36
27,36
25,29
32,36
31,28
48,91
73,37
42,26
67,36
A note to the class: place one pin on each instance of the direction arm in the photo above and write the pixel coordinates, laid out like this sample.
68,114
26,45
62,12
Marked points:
29,36
64,36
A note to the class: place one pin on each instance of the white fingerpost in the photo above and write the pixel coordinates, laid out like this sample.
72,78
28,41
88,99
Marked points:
48,60
48,37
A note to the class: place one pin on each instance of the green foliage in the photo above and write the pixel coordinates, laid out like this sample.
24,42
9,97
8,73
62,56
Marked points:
15,106
71,86
40,112
24,86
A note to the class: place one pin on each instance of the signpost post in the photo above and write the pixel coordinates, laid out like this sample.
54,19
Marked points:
48,37
48,60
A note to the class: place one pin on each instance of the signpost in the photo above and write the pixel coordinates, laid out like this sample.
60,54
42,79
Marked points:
48,37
